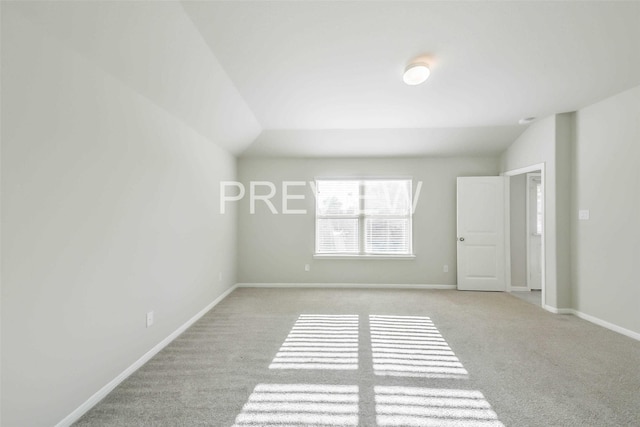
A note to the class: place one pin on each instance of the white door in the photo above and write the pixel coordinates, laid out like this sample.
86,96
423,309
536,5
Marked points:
534,231
481,258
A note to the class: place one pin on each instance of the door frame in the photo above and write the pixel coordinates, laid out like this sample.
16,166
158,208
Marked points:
530,177
538,167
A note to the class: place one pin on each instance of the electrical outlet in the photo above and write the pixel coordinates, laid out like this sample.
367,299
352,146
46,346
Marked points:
149,319
307,267
445,268
583,214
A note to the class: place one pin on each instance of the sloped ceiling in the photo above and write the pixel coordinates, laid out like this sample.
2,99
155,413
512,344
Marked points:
153,48
324,77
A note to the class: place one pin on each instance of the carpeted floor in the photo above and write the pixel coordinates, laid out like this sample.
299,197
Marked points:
533,297
348,357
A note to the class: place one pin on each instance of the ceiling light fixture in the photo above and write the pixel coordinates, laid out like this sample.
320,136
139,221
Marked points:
416,73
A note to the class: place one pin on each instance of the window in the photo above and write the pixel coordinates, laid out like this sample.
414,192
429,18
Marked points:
363,217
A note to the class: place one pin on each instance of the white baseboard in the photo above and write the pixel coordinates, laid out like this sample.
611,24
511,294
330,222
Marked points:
519,289
345,285
608,325
589,318
100,394
556,310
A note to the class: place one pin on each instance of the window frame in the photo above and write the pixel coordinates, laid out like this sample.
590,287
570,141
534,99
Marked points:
361,216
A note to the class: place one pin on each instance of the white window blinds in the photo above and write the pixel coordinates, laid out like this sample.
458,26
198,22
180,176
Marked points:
368,217
337,208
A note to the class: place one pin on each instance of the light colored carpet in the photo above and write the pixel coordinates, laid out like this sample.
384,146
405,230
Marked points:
532,297
286,357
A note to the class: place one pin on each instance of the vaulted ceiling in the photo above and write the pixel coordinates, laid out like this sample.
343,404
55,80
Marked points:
335,66
324,78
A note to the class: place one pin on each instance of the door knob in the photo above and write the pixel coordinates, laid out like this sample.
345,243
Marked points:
461,239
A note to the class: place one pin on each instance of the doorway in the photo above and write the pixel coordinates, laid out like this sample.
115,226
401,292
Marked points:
534,221
526,260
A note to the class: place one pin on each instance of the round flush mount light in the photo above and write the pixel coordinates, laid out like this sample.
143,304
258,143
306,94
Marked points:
416,73
526,120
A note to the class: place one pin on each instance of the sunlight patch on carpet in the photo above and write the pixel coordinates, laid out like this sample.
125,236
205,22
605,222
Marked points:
319,341
411,346
314,405
426,407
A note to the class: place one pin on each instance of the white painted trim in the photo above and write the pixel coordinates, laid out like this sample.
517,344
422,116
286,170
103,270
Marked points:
527,230
102,393
507,234
526,169
346,285
543,238
403,257
595,320
556,310
520,289
530,177
611,326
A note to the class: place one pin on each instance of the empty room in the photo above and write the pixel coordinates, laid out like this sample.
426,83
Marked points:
320,213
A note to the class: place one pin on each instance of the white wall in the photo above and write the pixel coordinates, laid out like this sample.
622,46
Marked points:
518,225
275,248
563,161
109,210
606,180
547,142
591,160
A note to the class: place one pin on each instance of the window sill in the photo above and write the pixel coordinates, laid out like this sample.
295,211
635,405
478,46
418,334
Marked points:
368,257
